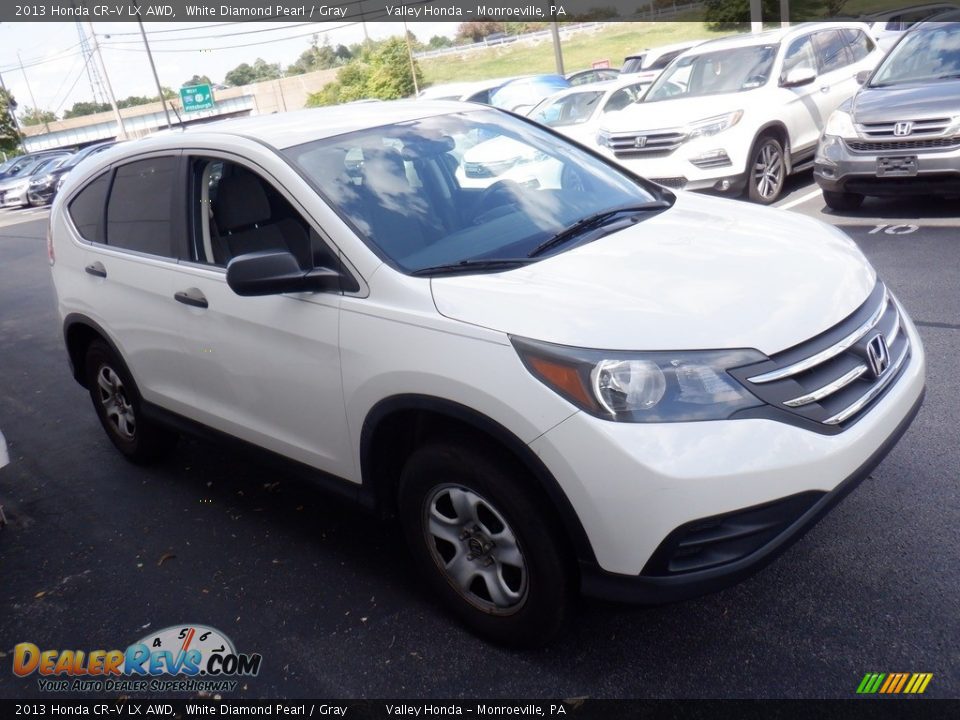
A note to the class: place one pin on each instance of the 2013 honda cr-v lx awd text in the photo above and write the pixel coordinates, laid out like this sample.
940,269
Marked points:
582,382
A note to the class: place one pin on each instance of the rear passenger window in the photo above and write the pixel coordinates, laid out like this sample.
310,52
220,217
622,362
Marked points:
139,214
86,209
831,50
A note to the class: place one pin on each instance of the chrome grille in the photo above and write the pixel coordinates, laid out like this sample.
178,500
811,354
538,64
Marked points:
832,379
655,143
922,128
899,145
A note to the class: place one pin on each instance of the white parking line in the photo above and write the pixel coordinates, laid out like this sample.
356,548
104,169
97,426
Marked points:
800,200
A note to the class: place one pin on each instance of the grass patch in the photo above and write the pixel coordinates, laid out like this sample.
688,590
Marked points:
608,42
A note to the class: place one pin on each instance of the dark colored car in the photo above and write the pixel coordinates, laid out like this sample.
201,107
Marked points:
43,188
900,133
16,166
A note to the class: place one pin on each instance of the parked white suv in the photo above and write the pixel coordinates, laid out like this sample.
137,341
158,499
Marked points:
741,113
578,382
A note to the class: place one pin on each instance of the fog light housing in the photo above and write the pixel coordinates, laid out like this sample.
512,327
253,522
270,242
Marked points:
712,159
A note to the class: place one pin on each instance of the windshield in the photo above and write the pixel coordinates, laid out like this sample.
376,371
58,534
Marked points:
568,110
468,186
932,52
714,73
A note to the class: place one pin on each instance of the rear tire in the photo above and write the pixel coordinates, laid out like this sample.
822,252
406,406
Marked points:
118,405
483,543
842,200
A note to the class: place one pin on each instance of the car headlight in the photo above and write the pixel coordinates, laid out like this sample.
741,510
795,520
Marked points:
713,125
643,386
45,180
840,124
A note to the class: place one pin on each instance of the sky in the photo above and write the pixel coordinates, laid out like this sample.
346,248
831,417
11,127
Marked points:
55,68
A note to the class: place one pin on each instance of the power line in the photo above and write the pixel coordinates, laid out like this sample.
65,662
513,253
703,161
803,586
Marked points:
111,46
207,37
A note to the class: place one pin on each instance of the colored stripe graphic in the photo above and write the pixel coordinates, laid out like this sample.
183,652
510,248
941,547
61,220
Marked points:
894,683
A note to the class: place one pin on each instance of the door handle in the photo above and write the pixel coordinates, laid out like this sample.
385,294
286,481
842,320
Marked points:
96,269
192,297
824,88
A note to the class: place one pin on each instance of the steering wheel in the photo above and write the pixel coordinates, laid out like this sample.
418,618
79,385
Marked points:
502,192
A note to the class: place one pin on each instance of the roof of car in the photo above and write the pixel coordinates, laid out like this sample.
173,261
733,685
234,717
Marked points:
770,37
283,130
602,86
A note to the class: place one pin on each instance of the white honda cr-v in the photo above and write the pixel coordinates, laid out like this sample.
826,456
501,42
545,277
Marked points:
578,382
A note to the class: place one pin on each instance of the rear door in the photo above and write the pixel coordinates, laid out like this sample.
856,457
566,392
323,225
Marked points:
130,265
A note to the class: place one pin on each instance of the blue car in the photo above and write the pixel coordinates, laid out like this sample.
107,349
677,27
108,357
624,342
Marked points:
523,93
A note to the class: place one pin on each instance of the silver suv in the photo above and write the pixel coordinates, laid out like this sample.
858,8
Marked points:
900,133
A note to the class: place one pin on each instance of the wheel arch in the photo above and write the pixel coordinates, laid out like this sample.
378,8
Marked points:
78,332
778,130
395,426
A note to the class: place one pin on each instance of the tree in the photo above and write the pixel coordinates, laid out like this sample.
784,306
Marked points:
85,108
477,30
319,57
439,41
9,135
36,116
198,80
244,73
382,71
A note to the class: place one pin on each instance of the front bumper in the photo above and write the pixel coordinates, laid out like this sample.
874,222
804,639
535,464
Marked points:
42,194
717,163
837,168
16,197
641,491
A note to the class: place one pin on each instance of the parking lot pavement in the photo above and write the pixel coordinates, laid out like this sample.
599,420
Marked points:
99,551
12,217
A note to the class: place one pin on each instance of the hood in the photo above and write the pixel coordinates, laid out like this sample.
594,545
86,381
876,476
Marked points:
666,114
707,274
939,99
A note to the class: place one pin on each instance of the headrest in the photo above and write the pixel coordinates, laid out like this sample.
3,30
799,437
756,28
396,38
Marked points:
241,201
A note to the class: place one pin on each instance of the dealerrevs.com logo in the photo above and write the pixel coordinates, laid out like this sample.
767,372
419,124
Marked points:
180,658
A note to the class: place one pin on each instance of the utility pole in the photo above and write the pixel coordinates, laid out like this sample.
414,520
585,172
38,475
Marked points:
30,91
155,76
413,69
784,13
756,16
121,130
557,52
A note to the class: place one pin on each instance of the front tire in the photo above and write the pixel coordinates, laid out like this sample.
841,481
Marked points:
117,403
482,541
842,201
768,171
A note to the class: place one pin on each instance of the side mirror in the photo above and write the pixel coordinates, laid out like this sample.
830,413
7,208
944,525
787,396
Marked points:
862,77
272,272
799,76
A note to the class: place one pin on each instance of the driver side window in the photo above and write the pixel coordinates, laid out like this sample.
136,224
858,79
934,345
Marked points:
799,55
236,211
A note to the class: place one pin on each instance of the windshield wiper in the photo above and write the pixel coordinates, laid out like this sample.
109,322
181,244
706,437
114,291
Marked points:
949,76
591,222
472,266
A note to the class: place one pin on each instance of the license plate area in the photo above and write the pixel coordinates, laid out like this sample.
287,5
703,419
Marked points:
905,166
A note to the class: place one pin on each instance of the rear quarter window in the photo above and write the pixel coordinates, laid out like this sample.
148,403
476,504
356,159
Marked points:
87,209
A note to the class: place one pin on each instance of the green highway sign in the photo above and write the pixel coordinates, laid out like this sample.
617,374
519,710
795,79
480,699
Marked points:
198,97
